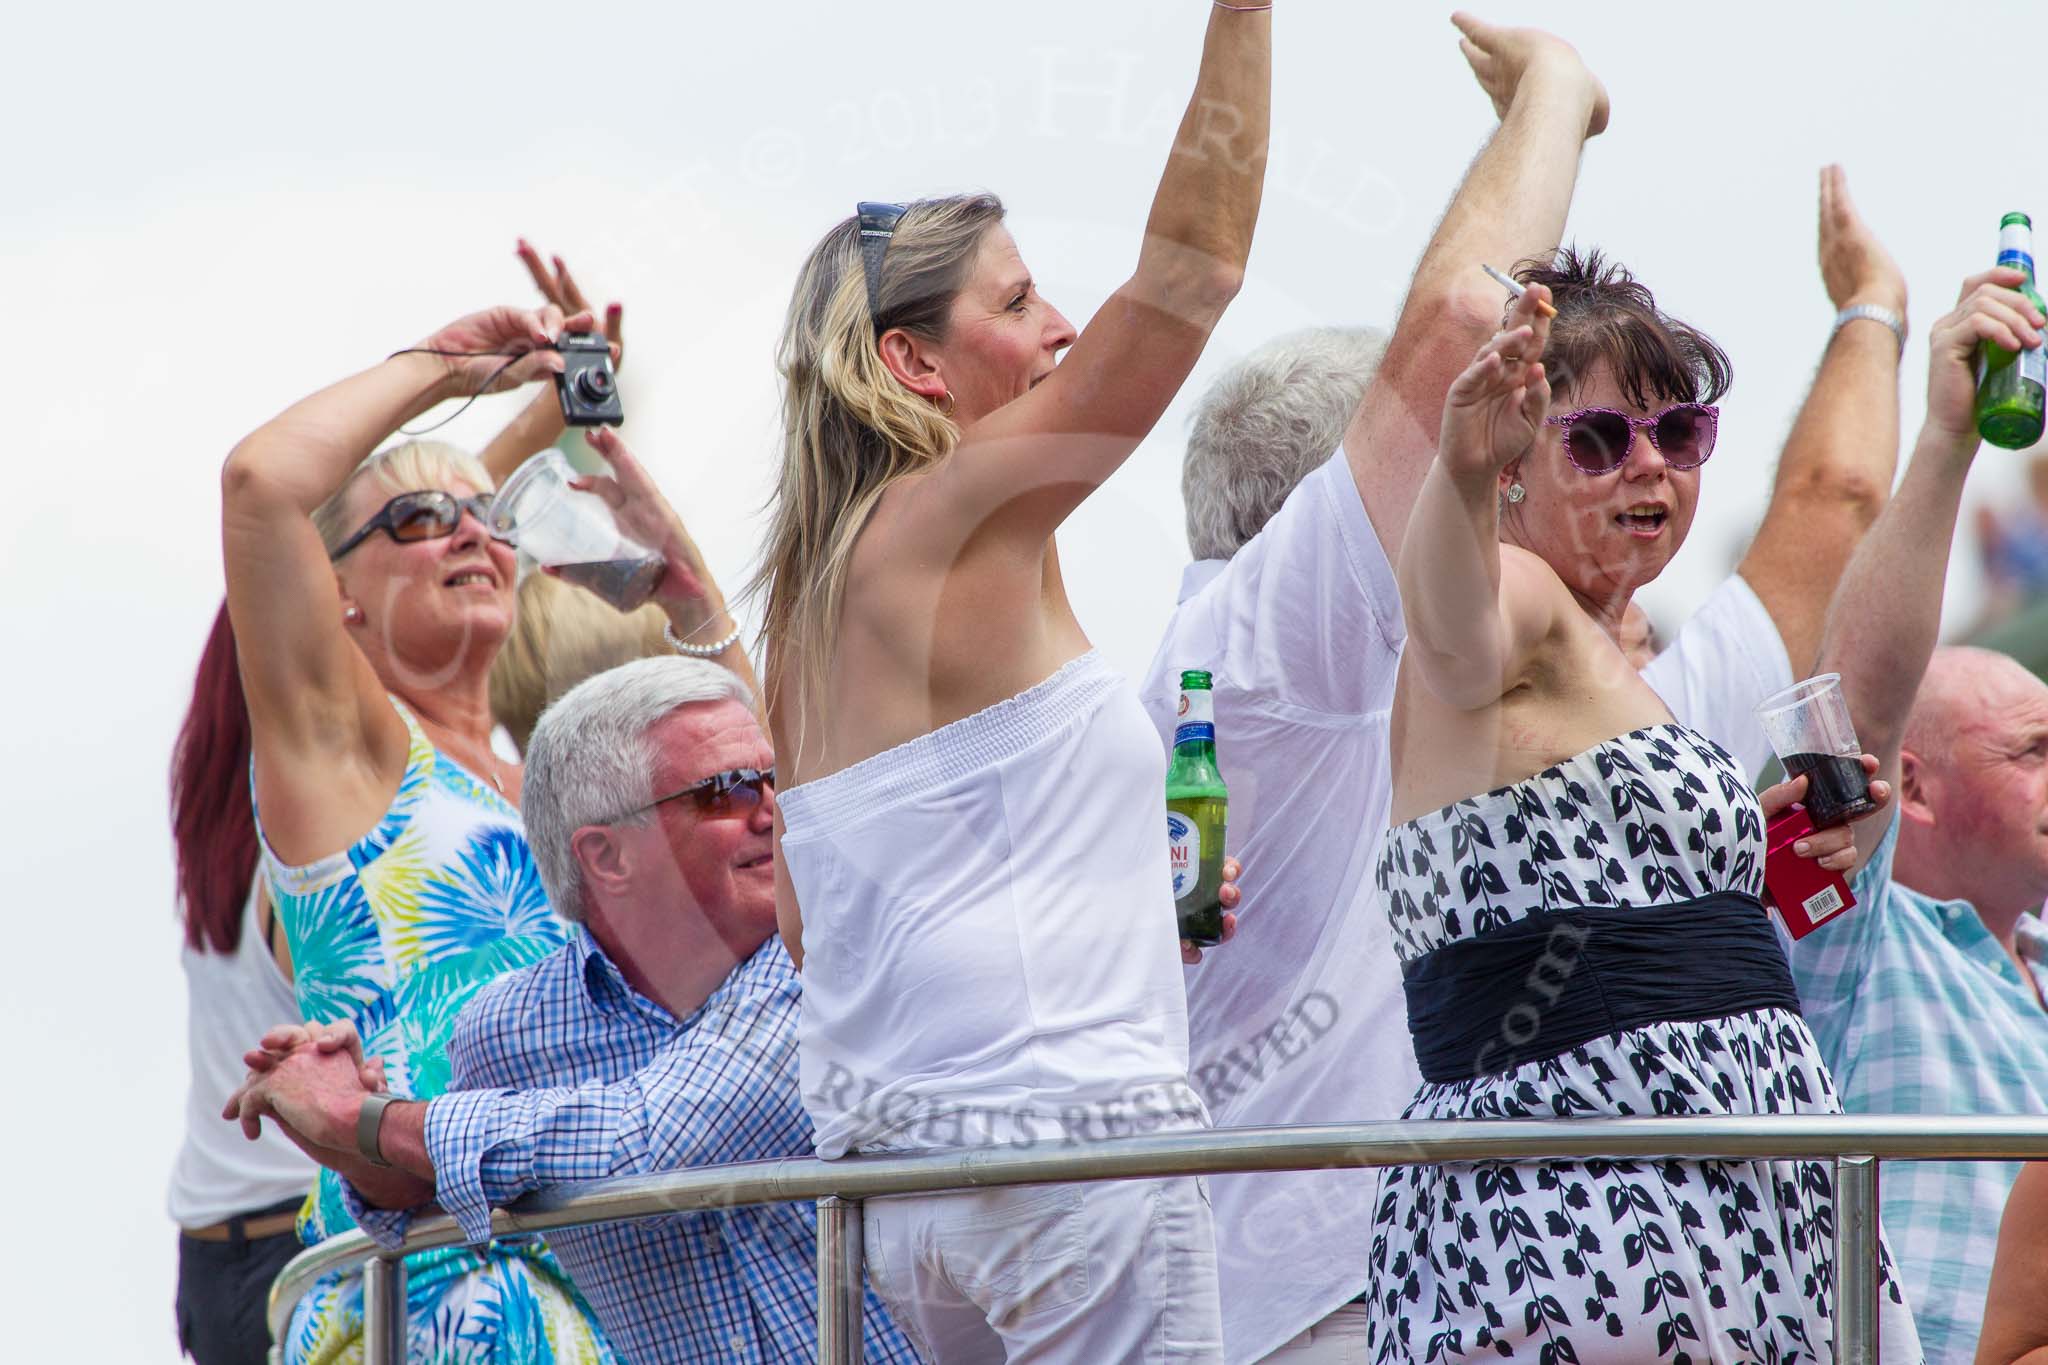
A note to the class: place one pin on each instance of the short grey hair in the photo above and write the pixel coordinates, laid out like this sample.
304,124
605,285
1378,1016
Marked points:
1264,424
590,758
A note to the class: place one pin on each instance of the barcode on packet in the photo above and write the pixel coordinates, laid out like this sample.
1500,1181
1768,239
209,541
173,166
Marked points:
1823,903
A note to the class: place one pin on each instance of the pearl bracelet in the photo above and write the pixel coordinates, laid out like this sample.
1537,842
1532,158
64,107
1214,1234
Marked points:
710,651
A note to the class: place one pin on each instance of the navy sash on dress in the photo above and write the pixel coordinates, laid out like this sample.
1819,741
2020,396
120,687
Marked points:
1546,984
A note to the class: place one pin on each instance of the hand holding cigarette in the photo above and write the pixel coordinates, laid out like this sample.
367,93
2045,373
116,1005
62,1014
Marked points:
1517,288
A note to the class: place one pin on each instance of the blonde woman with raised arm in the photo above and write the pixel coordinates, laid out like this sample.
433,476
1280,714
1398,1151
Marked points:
971,816
368,601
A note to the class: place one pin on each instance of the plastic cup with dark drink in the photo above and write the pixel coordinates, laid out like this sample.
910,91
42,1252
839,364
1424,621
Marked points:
1809,728
572,533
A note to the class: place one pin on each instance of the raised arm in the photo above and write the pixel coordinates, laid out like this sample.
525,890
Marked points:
1134,355
1511,205
687,592
314,703
539,423
1473,621
1882,626
1837,468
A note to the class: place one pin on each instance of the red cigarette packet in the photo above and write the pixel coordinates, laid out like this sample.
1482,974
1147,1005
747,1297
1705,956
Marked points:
1806,894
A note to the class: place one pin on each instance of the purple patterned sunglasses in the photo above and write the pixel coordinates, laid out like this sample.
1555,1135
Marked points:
1596,440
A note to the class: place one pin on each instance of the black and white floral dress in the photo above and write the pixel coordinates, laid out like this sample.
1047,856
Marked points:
1608,1260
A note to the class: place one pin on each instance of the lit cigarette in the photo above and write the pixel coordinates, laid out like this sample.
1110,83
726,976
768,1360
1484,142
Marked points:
1517,288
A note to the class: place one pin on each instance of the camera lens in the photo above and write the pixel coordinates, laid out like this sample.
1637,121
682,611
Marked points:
595,384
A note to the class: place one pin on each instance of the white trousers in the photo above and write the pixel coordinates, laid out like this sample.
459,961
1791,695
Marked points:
1338,1339
1103,1273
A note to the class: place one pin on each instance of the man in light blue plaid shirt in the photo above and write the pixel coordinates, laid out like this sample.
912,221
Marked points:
1931,1004
1928,1000
663,1036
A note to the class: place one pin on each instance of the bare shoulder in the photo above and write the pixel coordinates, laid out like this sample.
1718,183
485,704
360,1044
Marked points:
911,523
1536,599
1529,569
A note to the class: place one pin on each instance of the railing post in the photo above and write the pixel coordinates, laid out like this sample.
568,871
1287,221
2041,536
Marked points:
384,1310
840,1284
1856,1246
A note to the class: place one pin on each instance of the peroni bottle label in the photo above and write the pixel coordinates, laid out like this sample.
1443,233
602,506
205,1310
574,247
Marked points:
1183,853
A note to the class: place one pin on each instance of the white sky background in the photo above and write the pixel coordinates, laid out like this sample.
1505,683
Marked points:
208,215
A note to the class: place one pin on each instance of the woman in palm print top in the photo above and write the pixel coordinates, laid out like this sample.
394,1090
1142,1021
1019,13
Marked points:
1583,936
369,603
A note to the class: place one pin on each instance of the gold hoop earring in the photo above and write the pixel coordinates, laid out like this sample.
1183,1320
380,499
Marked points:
946,403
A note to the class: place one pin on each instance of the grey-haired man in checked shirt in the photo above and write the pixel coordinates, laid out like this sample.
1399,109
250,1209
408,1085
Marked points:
663,1035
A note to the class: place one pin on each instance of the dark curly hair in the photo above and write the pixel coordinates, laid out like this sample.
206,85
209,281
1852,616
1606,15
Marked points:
1605,313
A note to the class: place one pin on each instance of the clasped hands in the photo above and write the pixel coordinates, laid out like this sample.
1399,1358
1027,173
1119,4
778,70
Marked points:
310,1080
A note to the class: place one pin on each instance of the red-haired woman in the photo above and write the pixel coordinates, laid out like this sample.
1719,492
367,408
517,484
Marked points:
234,1201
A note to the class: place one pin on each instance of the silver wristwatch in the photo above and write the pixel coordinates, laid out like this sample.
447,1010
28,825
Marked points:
1875,314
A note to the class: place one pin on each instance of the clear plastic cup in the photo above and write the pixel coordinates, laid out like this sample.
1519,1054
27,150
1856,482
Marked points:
1809,729
573,533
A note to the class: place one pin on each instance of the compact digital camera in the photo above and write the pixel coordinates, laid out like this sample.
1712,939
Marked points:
588,387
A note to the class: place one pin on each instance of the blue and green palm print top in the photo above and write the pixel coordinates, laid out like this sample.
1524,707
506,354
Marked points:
395,934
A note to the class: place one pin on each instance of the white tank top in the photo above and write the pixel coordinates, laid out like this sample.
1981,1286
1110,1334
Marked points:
231,1001
990,953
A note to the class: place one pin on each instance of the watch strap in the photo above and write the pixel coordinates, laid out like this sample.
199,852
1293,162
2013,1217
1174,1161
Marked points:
369,1119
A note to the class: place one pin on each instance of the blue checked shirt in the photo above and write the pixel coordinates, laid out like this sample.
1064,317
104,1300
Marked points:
1918,1010
562,1071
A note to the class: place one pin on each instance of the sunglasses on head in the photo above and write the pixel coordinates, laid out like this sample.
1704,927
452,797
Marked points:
1596,440
737,792
426,515
877,226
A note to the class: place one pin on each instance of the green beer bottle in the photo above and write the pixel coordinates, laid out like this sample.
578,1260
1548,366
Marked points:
1197,803
2012,390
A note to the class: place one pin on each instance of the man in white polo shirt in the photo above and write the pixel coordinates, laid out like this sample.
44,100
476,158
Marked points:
1295,611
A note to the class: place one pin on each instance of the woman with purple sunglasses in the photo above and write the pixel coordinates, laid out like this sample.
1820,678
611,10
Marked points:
1584,936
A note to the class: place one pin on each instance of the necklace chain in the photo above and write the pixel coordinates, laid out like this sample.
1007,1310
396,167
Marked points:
489,768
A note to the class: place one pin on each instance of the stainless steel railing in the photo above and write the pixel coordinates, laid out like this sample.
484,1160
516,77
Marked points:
1856,1143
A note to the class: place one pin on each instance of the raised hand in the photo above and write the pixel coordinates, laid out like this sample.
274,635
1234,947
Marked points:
1853,263
1990,308
1495,408
1505,60
686,590
474,349
559,288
